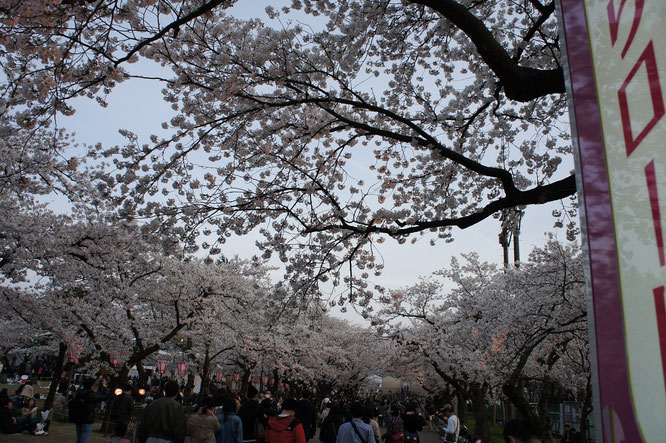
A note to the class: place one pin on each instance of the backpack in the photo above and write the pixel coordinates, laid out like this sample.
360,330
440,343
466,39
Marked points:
77,409
287,434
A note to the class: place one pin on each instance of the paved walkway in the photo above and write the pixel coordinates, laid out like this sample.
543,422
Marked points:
425,436
429,437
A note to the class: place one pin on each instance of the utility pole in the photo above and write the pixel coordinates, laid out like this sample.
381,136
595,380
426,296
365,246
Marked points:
510,219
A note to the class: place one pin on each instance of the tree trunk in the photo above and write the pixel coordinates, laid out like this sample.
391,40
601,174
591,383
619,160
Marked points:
586,410
143,374
462,406
55,377
245,382
544,399
515,394
205,374
481,427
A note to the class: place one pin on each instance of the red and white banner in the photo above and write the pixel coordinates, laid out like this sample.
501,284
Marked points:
616,60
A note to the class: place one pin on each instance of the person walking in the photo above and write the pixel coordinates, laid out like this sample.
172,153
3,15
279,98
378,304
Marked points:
164,419
306,413
356,431
231,424
123,405
253,417
452,430
203,425
395,428
413,423
285,427
82,410
330,425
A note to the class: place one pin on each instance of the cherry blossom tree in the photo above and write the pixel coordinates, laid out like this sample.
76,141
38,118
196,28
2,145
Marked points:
496,332
381,120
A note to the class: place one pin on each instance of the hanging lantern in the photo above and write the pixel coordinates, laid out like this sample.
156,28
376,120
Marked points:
162,366
272,381
73,353
264,380
115,363
237,378
182,367
281,384
219,376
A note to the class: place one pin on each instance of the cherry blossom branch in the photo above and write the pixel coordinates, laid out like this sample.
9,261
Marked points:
520,83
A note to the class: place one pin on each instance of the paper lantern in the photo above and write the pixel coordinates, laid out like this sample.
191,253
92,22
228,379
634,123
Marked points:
73,353
182,367
162,366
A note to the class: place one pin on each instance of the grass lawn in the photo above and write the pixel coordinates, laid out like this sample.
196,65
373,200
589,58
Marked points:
59,431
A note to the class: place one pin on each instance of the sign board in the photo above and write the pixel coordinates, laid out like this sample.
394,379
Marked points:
616,66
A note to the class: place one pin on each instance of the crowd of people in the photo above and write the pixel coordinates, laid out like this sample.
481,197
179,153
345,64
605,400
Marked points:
221,416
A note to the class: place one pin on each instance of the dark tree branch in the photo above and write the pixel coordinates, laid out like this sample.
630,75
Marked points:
520,83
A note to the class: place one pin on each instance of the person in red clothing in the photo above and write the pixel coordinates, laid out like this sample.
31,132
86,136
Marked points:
285,428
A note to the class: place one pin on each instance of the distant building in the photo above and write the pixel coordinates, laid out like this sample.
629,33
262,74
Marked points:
391,385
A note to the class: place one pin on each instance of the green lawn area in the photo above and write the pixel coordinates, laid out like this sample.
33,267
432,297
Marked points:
59,431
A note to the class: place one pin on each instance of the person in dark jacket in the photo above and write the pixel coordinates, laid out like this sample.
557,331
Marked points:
413,423
164,418
306,413
252,415
82,410
520,430
286,428
123,405
12,425
330,425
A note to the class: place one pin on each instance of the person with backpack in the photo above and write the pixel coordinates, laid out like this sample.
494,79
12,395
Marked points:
82,410
395,429
356,431
413,424
285,427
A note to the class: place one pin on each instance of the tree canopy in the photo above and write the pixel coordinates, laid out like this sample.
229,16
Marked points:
351,123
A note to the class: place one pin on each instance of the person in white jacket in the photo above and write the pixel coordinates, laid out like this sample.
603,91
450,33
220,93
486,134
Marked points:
452,424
